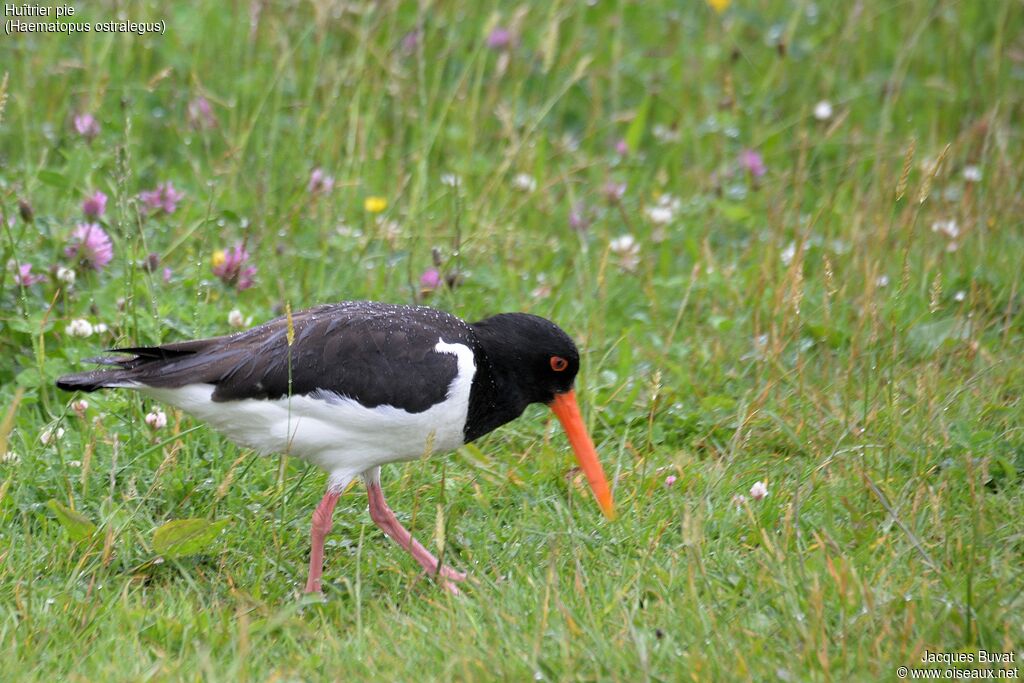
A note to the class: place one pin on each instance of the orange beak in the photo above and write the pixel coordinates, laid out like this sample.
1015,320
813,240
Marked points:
567,411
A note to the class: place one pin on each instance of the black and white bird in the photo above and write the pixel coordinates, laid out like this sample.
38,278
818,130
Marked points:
352,386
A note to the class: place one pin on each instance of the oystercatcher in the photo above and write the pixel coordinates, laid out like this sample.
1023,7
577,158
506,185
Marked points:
356,385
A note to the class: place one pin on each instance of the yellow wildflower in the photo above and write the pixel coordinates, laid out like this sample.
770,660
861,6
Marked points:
219,257
375,204
719,5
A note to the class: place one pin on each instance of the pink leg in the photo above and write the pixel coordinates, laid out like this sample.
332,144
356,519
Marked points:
321,527
382,515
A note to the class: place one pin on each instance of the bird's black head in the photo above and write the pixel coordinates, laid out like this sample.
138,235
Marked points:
535,356
531,360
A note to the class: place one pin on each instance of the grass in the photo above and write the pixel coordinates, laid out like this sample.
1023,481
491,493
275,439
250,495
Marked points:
807,328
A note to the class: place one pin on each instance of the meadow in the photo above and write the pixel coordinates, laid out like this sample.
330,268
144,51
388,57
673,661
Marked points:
787,237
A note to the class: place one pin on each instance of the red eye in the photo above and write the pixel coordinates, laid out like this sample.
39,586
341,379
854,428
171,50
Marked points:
558,363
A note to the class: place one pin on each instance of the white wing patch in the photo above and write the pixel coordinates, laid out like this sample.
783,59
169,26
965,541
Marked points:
332,431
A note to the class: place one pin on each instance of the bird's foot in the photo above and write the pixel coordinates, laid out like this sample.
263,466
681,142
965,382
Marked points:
447,572
447,579
314,595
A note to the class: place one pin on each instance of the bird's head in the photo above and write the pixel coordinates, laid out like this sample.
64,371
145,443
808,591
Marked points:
544,361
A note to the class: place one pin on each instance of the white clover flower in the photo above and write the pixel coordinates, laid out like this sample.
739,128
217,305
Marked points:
391,230
79,327
570,142
235,318
960,296
79,407
788,254
670,202
928,165
100,328
66,275
664,210
882,281
663,133
823,110
541,291
972,174
759,490
949,228
49,435
628,251
659,215
623,244
524,182
345,230
156,419
451,180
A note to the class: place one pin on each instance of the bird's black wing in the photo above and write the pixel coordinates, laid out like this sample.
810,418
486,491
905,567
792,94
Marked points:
377,354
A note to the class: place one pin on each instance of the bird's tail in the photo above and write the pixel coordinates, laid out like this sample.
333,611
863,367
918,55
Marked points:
141,366
94,380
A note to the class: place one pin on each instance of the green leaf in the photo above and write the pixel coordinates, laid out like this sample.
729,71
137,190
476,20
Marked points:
638,127
184,537
718,402
938,335
721,323
737,213
540,158
78,526
53,178
827,334
34,377
30,378
1002,468
33,323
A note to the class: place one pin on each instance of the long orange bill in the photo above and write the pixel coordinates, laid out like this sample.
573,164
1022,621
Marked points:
567,411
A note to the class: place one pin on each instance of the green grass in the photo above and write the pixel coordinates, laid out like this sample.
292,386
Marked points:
752,341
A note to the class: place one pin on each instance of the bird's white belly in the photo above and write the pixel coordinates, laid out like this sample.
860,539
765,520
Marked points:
334,432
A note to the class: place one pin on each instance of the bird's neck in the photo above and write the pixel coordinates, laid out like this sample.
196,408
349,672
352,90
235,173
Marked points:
495,397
